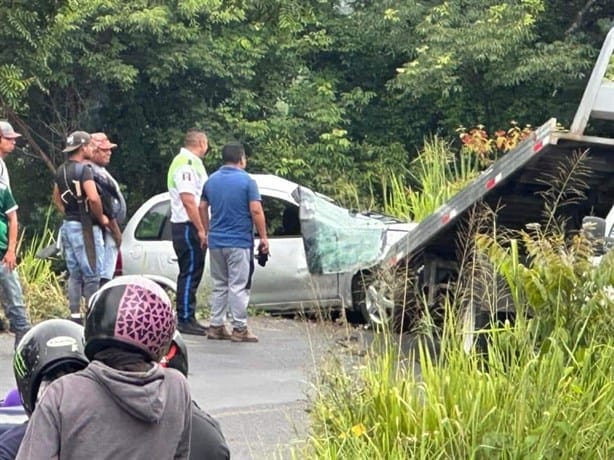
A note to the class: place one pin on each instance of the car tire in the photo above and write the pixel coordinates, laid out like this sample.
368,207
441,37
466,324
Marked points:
386,302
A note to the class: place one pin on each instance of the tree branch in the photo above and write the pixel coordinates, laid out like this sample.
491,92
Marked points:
579,17
22,128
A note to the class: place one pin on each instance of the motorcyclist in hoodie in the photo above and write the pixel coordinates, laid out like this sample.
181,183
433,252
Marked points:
124,404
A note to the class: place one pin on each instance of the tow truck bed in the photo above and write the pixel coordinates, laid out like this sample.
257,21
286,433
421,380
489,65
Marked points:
512,185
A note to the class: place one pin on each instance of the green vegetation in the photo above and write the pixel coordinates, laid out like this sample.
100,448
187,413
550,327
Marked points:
340,95
543,390
334,94
537,384
43,288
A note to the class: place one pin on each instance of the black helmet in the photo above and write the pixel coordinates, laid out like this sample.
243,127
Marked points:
48,347
177,356
133,312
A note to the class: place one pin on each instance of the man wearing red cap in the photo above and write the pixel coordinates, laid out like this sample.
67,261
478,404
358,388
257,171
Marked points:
113,202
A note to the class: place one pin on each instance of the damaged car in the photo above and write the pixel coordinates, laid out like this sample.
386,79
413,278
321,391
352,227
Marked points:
319,252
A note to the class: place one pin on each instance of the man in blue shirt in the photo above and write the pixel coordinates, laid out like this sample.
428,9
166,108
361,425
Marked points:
236,207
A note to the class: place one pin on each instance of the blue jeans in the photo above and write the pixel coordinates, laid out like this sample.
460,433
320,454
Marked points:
82,280
13,296
110,257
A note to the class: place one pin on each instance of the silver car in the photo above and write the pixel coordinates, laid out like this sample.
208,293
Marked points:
318,250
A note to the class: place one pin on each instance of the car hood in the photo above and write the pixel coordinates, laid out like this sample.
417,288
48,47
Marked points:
338,240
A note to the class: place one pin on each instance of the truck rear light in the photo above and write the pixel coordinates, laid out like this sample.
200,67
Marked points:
490,183
538,146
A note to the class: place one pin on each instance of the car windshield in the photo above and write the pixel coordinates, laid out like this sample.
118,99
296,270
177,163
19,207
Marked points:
336,239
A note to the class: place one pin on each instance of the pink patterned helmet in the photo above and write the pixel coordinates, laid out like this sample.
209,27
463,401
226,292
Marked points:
130,311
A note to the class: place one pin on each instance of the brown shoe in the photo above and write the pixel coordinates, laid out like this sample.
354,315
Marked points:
243,335
218,333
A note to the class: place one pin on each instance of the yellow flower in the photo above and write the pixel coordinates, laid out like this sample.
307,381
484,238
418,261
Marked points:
358,430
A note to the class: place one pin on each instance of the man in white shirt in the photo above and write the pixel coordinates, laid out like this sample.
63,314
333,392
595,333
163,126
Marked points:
185,180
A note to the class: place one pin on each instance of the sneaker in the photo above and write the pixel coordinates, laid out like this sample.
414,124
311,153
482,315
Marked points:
218,333
191,326
243,335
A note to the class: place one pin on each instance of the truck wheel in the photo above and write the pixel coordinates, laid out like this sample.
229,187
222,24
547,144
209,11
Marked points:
487,304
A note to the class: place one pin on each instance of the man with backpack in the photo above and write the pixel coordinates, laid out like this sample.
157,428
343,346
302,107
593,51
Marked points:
113,203
75,196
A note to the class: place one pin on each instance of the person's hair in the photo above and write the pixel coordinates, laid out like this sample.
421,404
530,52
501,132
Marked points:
233,153
193,137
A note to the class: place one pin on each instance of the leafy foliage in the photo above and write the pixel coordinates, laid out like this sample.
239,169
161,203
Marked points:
310,87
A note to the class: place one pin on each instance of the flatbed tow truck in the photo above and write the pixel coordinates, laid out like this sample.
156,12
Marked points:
513,186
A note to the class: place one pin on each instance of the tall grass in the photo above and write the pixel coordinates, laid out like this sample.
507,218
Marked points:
515,403
544,390
43,287
440,172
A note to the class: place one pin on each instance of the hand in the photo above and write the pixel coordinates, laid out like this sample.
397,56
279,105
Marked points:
10,260
263,247
105,221
202,237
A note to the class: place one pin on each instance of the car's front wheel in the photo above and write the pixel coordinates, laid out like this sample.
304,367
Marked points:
386,301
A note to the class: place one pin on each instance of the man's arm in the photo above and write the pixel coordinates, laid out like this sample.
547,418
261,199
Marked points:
10,258
116,232
57,199
203,209
255,209
94,201
189,203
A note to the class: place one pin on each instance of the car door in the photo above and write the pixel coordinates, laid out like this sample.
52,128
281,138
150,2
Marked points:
335,239
285,281
147,247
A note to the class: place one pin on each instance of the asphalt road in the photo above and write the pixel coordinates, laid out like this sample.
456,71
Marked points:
258,392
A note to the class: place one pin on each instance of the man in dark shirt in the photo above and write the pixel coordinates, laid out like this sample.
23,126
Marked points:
72,179
113,202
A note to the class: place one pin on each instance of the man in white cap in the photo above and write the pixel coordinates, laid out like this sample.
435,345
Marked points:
12,294
8,137
113,202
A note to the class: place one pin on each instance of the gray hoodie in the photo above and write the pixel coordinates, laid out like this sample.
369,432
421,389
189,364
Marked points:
103,413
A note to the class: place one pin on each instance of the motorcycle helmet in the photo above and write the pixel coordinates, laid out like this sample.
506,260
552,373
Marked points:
46,351
131,312
177,356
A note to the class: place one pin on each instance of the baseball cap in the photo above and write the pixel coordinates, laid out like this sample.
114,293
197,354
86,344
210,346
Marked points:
76,140
101,141
7,131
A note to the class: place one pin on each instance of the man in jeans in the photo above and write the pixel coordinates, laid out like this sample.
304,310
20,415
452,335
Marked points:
8,137
113,203
236,208
83,278
12,299
14,307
